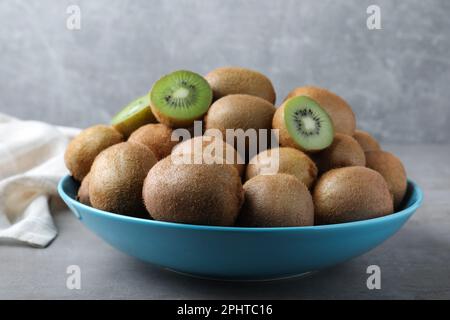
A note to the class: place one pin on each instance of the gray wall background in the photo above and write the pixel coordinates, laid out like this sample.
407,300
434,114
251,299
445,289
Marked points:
397,79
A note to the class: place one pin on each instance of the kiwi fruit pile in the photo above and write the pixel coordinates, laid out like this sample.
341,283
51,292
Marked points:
303,124
321,170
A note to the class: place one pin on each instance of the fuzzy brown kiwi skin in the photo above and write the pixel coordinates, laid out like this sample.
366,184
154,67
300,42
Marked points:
204,194
117,177
284,137
340,112
83,191
345,151
191,146
393,171
82,150
239,111
279,200
351,194
234,80
291,161
366,141
155,136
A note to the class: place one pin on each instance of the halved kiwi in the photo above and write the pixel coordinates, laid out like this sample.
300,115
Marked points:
180,98
136,114
303,124
338,109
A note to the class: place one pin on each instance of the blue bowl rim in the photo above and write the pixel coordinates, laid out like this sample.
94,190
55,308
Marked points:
384,219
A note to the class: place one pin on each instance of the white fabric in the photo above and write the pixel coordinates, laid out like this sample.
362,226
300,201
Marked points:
31,164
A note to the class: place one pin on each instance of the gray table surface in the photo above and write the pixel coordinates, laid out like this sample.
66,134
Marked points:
415,263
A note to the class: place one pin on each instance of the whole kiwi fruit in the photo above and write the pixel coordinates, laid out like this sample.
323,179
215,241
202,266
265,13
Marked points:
210,147
351,194
83,191
393,171
339,110
366,141
155,136
279,200
83,149
240,111
117,176
286,160
205,194
234,80
303,124
345,151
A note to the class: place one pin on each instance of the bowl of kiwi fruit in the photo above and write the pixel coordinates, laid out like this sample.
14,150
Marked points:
162,183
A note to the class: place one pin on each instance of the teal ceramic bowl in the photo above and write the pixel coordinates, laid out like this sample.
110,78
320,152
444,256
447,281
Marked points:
239,253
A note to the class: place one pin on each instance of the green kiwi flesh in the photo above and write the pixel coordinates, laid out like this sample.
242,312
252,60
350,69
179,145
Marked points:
136,114
308,124
180,98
